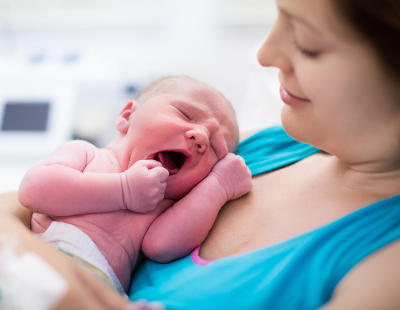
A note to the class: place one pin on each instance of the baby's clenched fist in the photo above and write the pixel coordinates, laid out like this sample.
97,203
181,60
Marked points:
233,175
143,185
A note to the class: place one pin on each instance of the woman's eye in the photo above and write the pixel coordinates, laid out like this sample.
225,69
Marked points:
306,52
310,54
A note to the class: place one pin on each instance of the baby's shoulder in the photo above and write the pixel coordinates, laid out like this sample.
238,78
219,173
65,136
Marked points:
77,146
76,150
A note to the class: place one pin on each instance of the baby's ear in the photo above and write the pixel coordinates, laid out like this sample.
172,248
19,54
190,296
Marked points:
122,122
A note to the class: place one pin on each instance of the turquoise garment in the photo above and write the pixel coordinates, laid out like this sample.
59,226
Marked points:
299,273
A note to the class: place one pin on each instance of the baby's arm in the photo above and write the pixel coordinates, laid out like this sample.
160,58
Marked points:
59,186
186,224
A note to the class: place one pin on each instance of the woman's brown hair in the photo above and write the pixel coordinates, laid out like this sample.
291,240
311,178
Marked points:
378,22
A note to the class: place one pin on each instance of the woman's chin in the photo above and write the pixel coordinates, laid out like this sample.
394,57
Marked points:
290,125
294,126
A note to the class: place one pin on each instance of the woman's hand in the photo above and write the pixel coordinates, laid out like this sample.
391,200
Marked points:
10,206
82,290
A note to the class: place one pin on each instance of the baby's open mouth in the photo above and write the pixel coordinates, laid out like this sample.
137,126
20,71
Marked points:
170,160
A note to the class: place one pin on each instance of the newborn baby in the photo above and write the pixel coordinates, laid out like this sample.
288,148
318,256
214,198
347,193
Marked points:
157,187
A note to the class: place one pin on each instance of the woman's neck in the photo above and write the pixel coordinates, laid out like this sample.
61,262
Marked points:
381,178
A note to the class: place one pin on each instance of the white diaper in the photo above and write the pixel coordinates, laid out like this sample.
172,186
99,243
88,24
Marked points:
76,243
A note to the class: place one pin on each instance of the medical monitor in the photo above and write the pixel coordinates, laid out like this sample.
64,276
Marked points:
34,120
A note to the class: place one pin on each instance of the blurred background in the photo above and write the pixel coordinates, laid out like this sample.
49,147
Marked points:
67,67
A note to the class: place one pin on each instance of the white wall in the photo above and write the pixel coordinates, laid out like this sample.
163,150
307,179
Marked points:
99,47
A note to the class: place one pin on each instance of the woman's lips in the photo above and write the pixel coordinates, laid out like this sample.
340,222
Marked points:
291,99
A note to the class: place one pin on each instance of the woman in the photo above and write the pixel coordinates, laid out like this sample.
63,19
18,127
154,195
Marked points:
320,229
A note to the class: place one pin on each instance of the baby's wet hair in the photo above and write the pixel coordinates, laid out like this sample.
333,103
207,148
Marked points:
160,86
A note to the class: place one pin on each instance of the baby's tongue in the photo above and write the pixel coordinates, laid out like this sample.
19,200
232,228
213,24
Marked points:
165,158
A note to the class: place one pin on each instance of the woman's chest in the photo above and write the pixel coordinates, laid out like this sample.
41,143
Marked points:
257,220
278,208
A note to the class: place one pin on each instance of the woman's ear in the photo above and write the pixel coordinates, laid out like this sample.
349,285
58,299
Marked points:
122,122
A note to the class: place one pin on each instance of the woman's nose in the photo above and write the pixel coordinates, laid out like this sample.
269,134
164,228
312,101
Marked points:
200,138
274,51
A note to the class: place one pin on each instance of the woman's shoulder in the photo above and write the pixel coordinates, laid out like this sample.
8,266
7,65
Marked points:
372,284
272,148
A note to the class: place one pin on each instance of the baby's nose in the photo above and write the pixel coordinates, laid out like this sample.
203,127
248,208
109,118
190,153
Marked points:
200,138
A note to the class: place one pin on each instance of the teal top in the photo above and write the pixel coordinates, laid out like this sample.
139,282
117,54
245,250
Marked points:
299,273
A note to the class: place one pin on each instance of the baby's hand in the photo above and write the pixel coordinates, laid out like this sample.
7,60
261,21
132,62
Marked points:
233,175
143,185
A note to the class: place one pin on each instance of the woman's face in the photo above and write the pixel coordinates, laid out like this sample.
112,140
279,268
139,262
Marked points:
337,95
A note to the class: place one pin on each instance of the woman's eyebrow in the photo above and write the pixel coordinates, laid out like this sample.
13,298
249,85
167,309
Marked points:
298,19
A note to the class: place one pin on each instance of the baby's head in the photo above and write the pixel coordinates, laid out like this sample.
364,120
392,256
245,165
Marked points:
181,122
176,84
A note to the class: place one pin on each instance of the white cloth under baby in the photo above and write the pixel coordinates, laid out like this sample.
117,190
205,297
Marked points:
74,241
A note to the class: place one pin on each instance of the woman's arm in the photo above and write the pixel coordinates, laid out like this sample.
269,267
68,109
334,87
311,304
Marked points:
10,207
372,284
82,291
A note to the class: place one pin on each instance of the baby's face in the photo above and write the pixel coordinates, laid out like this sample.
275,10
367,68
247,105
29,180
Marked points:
187,129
